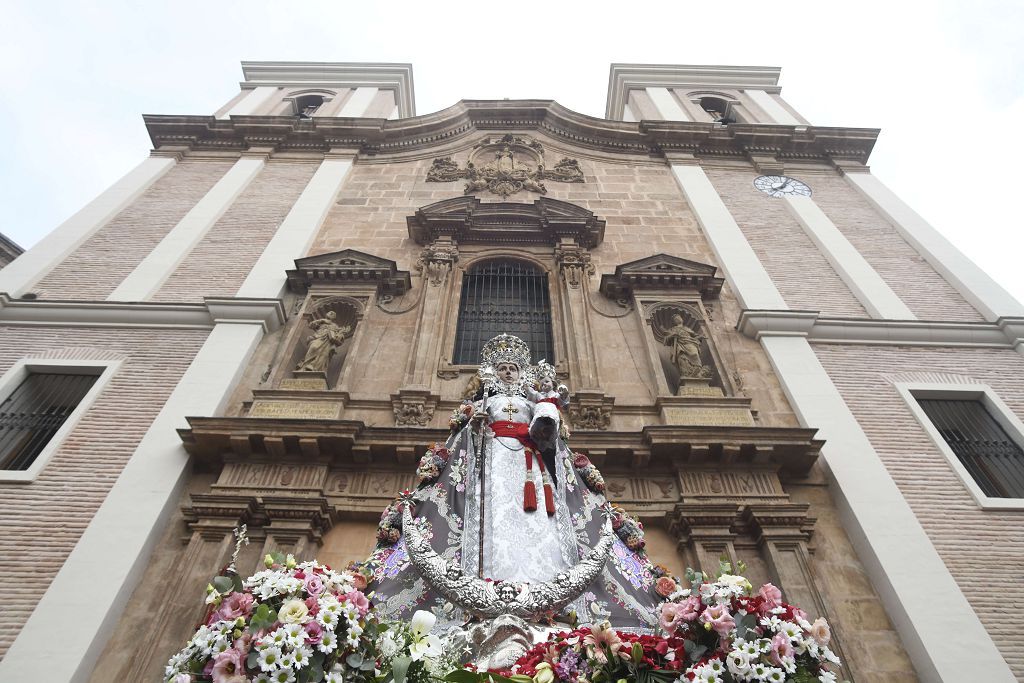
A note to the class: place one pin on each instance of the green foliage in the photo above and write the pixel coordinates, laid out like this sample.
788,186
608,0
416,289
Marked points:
263,617
223,584
463,676
400,668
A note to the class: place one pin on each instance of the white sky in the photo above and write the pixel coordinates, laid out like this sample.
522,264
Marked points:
943,80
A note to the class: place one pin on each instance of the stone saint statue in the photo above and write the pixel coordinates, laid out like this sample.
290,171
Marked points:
685,345
326,338
503,159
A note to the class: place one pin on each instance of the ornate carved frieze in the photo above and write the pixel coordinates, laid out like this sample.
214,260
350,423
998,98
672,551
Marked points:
348,267
574,264
436,262
413,407
467,220
662,272
591,410
505,166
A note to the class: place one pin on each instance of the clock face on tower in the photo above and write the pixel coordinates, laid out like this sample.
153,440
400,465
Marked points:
781,186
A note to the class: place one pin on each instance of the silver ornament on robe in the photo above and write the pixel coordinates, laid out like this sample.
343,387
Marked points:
489,599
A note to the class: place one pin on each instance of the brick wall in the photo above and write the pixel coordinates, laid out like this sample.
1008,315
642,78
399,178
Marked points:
220,262
801,273
913,279
95,269
984,549
53,510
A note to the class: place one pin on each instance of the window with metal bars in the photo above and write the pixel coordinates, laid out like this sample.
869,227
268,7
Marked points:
33,413
981,444
509,297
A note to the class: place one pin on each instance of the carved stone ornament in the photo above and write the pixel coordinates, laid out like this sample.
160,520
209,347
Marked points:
436,262
574,264
678,328
349,267
505,166
490,599
323,343
413,414
590,417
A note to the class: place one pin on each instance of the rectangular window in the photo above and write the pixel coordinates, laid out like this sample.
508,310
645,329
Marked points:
993,459
35,411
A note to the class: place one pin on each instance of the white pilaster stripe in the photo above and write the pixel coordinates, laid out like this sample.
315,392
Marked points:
103,569
864,281
21,274
627,114
772,108
667,105
359,102
251,102
151,273
394,114
919,594
980,290
295,234
743,270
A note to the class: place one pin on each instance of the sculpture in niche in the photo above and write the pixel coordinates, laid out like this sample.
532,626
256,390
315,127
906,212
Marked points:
323,343
685,345
517,164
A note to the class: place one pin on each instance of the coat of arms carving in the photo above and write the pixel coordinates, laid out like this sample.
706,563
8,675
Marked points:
504,166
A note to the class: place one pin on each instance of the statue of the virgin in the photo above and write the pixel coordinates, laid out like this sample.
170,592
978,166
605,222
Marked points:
505,500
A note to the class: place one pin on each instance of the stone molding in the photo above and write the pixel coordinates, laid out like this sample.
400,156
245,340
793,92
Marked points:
349,267
1006,332
269,313
464,119
663,272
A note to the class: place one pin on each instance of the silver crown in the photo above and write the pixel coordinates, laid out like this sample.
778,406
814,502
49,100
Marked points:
546,370
506,348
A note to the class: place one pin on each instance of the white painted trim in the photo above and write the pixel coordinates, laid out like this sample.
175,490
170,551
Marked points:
104,567
152,272
914,584
743,270
296,232
359,102
103,370
249,104
1000,412
20,275
864,281
776,112
980,290
627,114
268,313
667,105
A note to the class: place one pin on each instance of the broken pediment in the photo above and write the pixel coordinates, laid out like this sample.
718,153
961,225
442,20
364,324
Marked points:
348,267
467,220
662,271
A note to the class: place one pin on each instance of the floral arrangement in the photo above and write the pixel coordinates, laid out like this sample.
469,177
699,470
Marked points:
461,416
628,529
591,476
431,464
389,529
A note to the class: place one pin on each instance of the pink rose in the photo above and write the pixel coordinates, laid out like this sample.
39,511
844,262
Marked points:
820,632
718,617
234,606
359,581
313,584
242,644
781,649
314,632
670,617
771,595
665,586
690,608
800,614
580,460
228,667
359,601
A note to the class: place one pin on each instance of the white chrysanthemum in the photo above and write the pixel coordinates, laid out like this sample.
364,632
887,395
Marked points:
221,644
335,677
288,659
294,634
716,666
353,641
269,658
328,642
283,676
759,670
329,603
750,649
389,646
329,620
792,631
350,612
278,638
829,655
262,678
775,675
355,629
827,677
301,655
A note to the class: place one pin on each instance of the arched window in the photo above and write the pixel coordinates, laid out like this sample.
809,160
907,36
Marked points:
717,109
503,297
306,105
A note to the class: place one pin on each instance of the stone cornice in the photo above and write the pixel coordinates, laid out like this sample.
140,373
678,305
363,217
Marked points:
420,134
1004,333
269,313
625,77
386,76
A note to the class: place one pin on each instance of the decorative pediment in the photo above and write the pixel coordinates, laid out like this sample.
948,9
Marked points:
662,271
546,221
348,267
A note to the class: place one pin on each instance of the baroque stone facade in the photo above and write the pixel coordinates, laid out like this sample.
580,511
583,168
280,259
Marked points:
782,440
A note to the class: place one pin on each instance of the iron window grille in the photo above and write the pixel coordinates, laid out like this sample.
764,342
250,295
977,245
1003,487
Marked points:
33,413
503,297
993,459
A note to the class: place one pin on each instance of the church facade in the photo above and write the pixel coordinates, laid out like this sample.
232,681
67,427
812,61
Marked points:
268,322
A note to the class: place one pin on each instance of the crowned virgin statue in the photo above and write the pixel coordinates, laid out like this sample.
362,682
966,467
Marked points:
505,503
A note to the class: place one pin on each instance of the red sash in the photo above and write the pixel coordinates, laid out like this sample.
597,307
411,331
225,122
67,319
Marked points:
521,432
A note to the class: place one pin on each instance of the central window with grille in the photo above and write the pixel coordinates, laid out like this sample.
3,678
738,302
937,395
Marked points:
503,297
34,411
993,459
